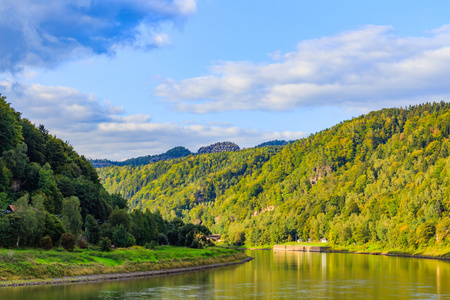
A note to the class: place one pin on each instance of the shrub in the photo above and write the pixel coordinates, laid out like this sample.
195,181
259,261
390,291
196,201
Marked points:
92,230
162,239
151,245
105,244
122,238
46,243
81,244
68,241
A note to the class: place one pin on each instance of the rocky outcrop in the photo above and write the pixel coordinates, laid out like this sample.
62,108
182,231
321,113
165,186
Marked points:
319,172
219,147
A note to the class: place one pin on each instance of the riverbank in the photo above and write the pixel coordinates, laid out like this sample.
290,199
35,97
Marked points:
442,253
437,252
33,267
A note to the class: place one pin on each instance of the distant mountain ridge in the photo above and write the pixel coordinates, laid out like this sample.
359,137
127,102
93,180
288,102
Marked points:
274,143
177,152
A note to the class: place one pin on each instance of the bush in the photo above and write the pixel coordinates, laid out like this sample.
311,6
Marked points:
151,245
81,244
46,243
122,238
162,239
92,230
68,241
105,244
196,244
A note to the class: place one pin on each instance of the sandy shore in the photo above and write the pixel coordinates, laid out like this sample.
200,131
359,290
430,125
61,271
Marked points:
117,276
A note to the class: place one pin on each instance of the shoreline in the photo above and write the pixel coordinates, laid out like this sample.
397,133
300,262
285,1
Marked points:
346,251
389,254
118,276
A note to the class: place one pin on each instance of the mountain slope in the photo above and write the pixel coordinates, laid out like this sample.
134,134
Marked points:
381,177
41,176
177,152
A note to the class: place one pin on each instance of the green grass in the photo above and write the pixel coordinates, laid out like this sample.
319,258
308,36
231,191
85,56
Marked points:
374,248
36,263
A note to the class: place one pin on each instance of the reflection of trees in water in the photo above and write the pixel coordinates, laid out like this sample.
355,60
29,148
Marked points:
272,275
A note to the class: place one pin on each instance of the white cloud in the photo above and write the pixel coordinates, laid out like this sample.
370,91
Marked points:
356,68
46,33
98,129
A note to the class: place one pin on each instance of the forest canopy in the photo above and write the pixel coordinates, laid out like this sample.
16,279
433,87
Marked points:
50,195
382,177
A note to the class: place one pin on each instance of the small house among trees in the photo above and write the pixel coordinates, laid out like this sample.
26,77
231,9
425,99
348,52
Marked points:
10,208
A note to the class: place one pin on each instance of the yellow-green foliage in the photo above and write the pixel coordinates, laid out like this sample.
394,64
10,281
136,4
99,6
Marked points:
380,178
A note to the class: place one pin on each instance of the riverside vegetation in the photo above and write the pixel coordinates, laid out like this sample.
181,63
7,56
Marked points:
56,263
50,196
380,181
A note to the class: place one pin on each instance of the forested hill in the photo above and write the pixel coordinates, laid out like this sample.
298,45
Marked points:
174,153
45,180
382,177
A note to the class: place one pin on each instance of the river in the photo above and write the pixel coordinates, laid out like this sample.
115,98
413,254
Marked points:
273,275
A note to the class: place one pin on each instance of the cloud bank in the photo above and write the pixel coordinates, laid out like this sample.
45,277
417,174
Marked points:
98,129
46,33
355,68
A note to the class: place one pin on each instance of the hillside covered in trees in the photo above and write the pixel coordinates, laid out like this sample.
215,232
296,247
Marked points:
177,152
50,195
381,177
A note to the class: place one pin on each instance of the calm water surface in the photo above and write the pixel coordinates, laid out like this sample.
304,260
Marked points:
274,275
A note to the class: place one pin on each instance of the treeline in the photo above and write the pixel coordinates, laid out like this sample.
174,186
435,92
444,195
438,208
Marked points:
177,152
50,195
379,178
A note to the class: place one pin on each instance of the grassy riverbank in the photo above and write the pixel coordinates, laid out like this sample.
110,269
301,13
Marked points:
436,252
56,263
441,252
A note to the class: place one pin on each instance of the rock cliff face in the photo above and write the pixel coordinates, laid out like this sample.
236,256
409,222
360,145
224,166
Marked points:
219,147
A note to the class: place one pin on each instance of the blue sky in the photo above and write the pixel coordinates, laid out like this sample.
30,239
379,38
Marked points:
125,78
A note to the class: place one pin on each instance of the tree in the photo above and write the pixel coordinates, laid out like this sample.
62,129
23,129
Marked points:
162,239
11,131
105,244
122,238
31,222
53,227
71,215
92,230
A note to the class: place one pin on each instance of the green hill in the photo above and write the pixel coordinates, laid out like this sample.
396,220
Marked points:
381,177
51,196
177,152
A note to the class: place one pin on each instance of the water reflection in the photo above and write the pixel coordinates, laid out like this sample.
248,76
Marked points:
274,275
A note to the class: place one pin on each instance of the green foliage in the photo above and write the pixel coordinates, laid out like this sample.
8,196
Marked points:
151,245
105,244
379,178
53,227
92,231
68,241
177,152
162,239
71,215
46,243
122,238
38,167
10,127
